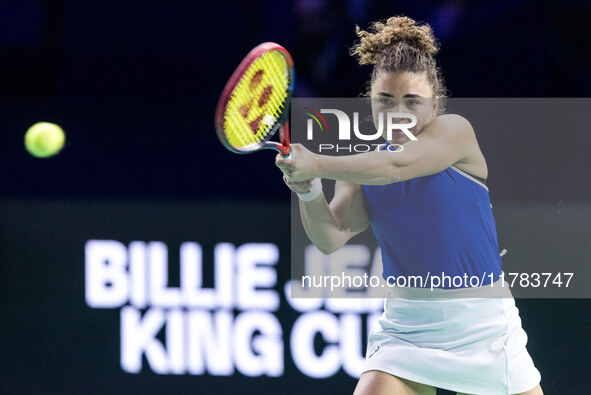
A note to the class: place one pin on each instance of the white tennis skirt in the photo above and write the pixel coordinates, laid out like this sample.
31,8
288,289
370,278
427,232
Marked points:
471,345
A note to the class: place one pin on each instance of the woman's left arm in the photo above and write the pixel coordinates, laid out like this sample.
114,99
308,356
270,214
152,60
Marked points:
445,141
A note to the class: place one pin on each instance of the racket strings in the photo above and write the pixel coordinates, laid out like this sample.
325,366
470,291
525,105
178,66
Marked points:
257,101
274,77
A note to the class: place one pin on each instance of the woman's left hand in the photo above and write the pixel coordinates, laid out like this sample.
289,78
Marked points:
302,166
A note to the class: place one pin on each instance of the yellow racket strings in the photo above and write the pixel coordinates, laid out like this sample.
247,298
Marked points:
257,101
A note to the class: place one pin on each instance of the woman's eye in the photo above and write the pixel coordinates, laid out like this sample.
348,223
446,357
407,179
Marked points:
413,103
384,100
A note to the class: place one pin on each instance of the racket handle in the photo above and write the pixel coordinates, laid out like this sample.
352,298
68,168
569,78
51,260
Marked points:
284,138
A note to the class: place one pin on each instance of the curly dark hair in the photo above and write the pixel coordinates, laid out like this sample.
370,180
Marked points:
401,44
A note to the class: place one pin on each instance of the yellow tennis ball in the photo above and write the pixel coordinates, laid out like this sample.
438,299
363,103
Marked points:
44,139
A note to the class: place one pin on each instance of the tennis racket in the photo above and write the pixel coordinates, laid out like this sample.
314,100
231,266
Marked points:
255,102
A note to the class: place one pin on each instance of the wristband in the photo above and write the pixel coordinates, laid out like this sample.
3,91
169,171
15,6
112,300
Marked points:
315,191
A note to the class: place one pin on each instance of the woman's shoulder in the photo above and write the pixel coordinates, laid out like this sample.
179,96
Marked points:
454,122
473,163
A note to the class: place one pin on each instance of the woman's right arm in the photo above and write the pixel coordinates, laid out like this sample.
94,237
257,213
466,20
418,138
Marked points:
330,226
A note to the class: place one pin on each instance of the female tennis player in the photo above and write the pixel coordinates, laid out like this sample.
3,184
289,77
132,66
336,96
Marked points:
430,210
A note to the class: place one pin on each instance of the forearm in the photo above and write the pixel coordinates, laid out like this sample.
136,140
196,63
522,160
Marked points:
321,226
371,168
446,140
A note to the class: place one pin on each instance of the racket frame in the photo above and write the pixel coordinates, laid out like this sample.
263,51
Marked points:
284,146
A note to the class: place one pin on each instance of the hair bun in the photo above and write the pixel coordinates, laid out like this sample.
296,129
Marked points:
397,29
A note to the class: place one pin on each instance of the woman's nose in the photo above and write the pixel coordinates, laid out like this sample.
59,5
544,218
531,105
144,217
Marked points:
399,107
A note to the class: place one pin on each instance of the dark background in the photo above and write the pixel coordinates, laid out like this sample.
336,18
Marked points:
134,84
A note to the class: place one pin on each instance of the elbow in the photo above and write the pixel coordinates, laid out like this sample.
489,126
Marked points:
331,246
326,251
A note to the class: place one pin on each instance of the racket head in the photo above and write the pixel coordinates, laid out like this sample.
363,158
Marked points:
255,100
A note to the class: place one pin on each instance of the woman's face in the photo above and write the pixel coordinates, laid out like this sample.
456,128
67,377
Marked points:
402,92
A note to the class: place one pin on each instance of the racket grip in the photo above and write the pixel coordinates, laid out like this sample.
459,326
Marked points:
284,138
